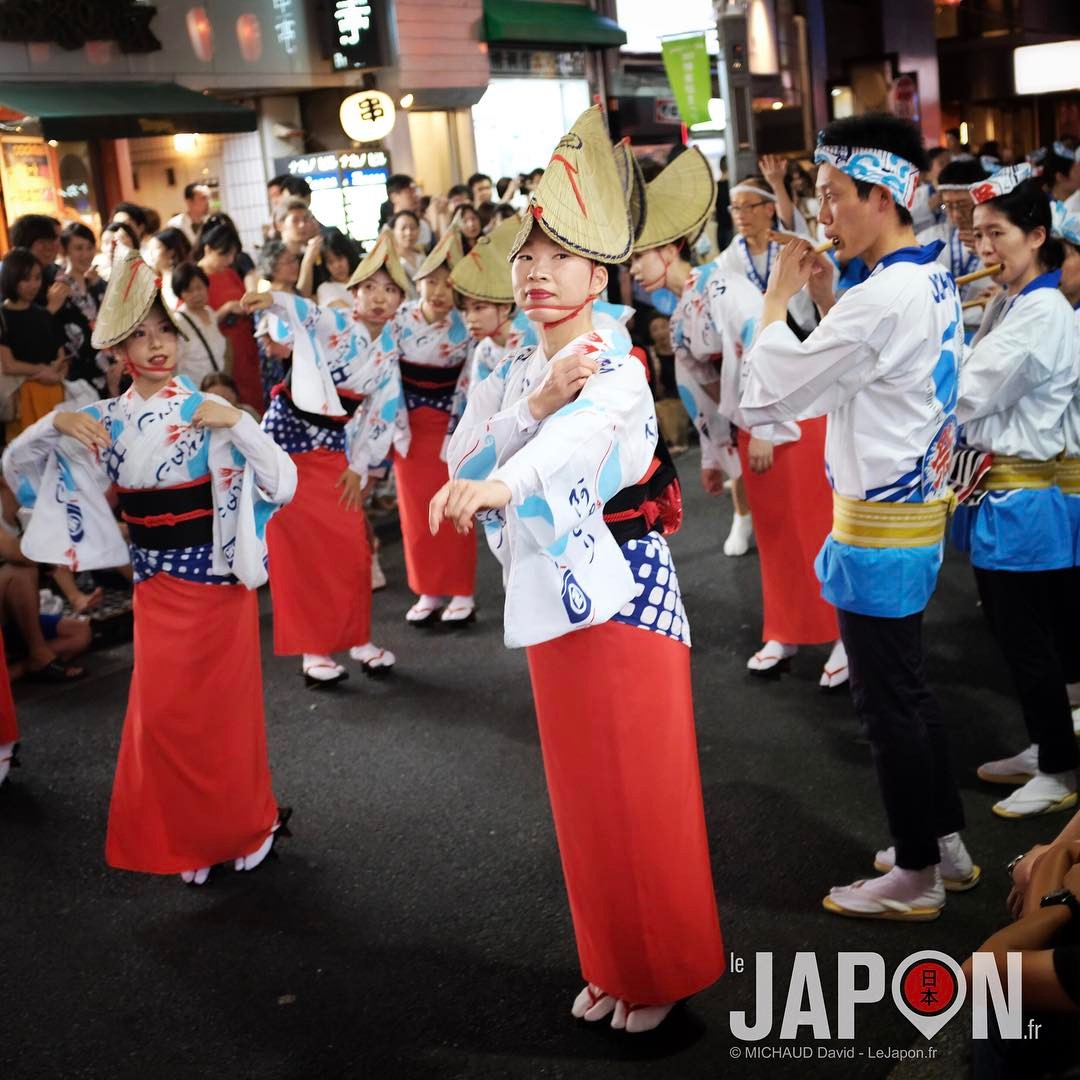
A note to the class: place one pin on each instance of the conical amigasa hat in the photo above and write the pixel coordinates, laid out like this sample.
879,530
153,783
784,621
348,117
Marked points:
448,250
484,274
382,256
633,183
581,200
680,200
132,290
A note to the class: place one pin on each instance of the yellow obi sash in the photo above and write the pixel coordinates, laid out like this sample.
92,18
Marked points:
889,524
1068,475
1012,474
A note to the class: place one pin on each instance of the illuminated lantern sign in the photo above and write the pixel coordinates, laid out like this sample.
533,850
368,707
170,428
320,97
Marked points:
367,116
353,33
348,188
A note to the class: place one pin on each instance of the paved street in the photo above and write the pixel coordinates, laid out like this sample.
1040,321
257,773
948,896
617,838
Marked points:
415,924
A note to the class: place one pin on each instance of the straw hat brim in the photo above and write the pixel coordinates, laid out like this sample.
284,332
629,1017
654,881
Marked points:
382,256
448,251
633,182
680,200
484,274
132,291
581,200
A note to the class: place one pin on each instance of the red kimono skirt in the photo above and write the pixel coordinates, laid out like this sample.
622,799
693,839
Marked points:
192,784
616,719
320,563
791,504
9,725
444,564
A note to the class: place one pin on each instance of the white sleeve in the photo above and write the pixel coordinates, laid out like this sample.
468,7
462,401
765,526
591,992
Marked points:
487,433
25,458
1005,365
369,434
791,380
275,471
583,454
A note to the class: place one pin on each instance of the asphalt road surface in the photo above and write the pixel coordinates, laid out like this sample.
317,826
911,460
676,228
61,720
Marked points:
416,923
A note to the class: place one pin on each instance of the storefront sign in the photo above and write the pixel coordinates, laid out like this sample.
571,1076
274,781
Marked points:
71,24
348,188
686,60
367,116
285,25
537,63
354,33
27,177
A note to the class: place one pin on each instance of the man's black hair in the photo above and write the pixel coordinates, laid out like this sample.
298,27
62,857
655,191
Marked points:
136,213
398,183
476,178
1028,208
296,186
30,228
962,171
460,189
881,131
190,189
934,153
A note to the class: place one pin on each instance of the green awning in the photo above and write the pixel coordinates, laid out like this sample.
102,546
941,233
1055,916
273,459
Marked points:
542,22
120,110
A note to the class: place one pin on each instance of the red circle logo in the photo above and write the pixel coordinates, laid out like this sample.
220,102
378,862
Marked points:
928,987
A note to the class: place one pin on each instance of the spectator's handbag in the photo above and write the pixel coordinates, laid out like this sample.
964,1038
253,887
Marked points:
10,385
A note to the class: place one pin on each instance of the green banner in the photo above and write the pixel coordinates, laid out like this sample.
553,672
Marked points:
686,60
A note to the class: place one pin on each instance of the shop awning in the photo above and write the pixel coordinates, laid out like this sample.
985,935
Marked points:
536,22
119,110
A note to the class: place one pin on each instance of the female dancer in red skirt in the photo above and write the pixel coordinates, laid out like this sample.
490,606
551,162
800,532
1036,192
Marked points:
428,343
334,415
197,482
9,724
782,465
557,453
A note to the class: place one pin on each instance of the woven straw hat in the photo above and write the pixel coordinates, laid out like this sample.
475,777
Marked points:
679,200
448,250
132,290
633,183
484,274
581,201
382,256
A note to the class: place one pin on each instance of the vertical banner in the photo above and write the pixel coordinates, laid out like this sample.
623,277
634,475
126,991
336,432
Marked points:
686,60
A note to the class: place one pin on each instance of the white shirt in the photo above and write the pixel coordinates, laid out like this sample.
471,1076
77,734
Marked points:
882,366
735,259
960,260
562,568
1020,375
200,356
1072,413
184,223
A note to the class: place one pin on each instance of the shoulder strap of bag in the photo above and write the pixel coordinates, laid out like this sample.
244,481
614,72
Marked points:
209,352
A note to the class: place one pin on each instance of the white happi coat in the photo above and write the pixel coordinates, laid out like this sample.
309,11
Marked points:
562,568
960,261
410,337
714,324
882,366
1019,377
152,445
736,261
332,351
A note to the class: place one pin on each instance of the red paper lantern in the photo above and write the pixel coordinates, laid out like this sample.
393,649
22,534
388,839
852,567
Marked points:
201,33
249,37
98,53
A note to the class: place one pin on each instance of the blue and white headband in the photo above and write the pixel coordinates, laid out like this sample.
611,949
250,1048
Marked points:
898,176
1002,182
1064,224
